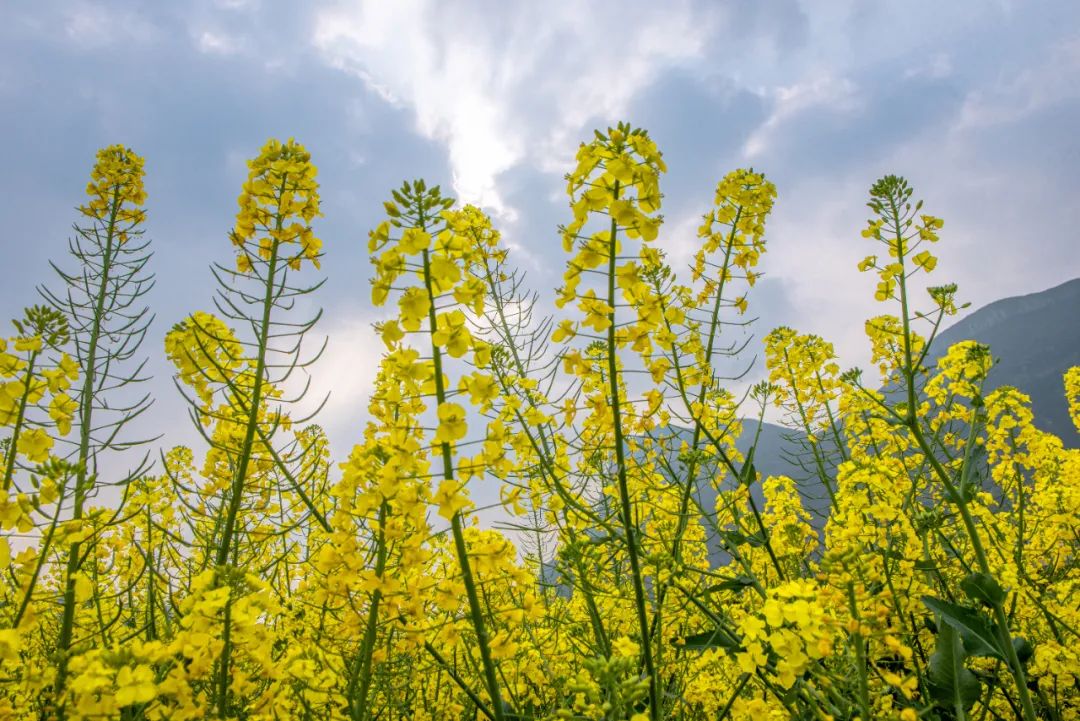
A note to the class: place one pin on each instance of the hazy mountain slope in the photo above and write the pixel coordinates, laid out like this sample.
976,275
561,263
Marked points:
1035,339
776,455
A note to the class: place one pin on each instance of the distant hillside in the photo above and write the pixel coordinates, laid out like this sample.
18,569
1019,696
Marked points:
1035,339
775,455
772,458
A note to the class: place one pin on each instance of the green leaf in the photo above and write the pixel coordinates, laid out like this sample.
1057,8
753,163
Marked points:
984,588
739,583
710,639
974,628
734,538
952,684
747,475
1023,648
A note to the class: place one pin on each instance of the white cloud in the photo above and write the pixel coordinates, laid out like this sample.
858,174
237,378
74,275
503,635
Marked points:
814,238
217,43
90,25
344,375
681,240
814,246
936,67
238,5
788,102
1027,91
506,84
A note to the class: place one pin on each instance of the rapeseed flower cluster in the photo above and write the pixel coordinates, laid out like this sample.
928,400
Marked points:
923,565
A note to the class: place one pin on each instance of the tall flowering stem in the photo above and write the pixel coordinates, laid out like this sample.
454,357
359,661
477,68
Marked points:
109,322
444,249
898,228
233,380
618,174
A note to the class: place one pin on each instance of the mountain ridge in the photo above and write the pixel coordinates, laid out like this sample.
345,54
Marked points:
1034,339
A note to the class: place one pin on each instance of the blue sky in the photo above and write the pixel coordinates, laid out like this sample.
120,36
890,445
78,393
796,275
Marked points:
977,103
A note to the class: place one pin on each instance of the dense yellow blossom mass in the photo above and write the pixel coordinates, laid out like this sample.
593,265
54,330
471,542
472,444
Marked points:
642,569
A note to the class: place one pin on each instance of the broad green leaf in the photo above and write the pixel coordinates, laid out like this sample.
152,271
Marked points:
710,639
738,583
984,588
974,628
952,684
1023,648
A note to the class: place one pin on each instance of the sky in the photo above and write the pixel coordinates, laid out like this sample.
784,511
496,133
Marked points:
976,103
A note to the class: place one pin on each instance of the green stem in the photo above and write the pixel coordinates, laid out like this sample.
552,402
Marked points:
860,656
629,527
479,702
1000,619
367,648
20,417
86,410
714,325
457,529
237,488
223,665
